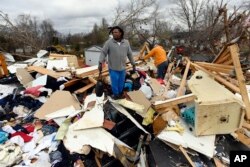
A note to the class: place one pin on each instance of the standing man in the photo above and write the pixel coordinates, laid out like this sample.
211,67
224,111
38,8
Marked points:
160,60
118,50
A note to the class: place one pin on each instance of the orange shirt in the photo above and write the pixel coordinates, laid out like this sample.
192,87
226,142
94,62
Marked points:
159,55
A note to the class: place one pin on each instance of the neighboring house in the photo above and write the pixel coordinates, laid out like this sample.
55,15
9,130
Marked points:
27,49
92,55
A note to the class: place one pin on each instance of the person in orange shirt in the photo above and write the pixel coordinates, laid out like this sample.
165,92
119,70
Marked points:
160,60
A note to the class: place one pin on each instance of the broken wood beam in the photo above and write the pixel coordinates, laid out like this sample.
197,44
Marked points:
91,79
71,82
217,69
184,152
223,52
234,50
183,80
174,101
85,88
46,71
230,67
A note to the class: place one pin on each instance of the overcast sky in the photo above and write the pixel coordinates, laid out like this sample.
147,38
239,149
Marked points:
69,15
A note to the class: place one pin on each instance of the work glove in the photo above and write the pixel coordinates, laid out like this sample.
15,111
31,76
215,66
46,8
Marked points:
100,67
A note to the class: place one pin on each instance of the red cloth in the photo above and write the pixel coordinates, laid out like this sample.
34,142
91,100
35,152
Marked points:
29,127
26,138
33,90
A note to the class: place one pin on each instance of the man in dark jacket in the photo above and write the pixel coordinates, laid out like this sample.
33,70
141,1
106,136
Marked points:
118,50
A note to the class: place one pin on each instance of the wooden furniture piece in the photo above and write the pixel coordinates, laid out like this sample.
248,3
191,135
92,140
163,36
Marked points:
217,110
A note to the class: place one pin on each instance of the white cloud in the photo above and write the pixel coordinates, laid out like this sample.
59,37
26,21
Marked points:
67,15
75,15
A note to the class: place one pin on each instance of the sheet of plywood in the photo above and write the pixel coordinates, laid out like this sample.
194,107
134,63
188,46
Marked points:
85,72
64,112
203,144
126,113
139,98
42,80
71,59
23,76
58,100
59,64
91,119
157,88
49,72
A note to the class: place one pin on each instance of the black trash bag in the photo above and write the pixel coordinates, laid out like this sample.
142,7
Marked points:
99,88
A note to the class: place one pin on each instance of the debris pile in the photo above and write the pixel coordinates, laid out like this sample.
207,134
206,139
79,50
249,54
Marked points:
50,114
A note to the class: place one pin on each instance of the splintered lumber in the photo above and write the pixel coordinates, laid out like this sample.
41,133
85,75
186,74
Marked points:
218,78
218,163
187,156
227,69
246,125
85,88
49,72
234,50
222,56
174,101
91,79
183,80
243,138
71,82
85,72
228,62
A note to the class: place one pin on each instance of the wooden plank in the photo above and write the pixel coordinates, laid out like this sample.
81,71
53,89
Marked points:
229,67
222,56
85,88
183,80
222,51
147,48
91,79
246,125
223,59
218,78
243,138
71,82
234,50
187,156
49,72
218,163
216,69
174,101
228,62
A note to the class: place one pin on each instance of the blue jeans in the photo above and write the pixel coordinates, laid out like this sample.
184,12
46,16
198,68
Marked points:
117,81
161,69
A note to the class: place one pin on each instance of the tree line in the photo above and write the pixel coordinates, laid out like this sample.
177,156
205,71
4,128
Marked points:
203,25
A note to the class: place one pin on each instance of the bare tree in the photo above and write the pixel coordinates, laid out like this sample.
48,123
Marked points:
208,21
135,15
26,31
47,32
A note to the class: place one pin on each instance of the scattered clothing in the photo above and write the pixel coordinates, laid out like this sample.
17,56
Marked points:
25,137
